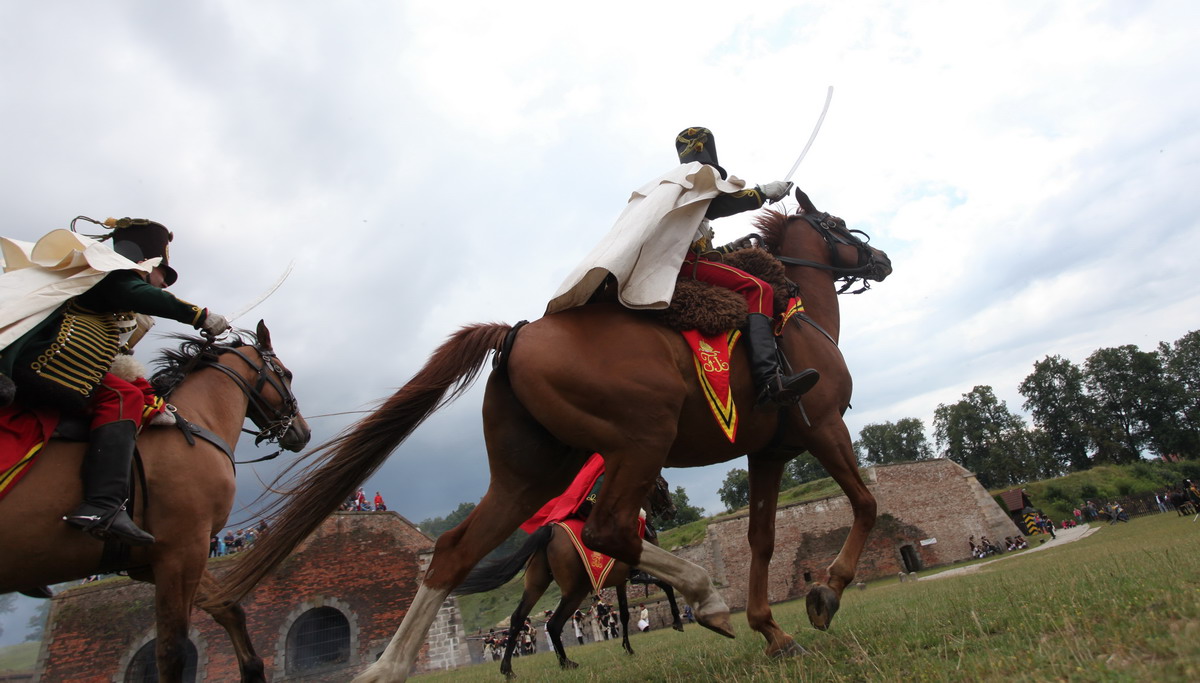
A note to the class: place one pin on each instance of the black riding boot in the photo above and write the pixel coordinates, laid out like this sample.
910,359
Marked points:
772,386
106,485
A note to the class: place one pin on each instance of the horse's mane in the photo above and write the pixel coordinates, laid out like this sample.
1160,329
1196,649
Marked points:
171,363
772,226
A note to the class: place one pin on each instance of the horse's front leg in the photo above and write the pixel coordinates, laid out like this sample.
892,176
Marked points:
834,450
175,582
232,618
765,475
676,621
612,529
623,606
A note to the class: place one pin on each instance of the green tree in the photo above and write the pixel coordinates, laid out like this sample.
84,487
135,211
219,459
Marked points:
1127,386
436,526
800,470
685,512
735,491
1181,369
1054,396
981,434
888,442
7,602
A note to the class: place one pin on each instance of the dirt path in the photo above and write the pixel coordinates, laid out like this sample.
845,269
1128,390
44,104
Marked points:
1061,537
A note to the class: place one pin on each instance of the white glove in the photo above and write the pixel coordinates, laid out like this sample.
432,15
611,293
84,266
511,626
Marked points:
215,325
775,190
164,419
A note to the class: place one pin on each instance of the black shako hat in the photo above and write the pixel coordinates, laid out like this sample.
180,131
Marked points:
697,144
138,239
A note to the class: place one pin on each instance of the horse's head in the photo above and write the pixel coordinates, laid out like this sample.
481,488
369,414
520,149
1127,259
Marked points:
257,371
273,407
846,253
661,503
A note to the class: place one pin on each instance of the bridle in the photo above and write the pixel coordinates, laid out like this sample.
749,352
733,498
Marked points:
272,423
835,233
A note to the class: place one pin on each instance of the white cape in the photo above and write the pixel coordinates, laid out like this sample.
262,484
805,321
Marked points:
39,277
649,241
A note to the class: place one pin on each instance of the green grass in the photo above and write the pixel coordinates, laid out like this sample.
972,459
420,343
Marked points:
1120,605
19,658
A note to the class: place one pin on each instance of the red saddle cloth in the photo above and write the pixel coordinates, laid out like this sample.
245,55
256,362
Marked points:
598,564
565,505
23,432
711,355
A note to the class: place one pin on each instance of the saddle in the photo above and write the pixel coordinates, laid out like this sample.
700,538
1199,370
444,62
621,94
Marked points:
712,310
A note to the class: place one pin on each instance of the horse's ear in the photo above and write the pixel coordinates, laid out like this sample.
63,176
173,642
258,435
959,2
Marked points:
264,335
804,202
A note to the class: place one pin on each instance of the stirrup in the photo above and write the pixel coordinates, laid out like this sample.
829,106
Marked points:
786,391
115,524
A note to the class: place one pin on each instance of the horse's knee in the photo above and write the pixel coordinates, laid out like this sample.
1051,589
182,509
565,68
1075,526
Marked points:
625,546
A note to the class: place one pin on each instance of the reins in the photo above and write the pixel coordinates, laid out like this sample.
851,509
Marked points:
834,236
272,423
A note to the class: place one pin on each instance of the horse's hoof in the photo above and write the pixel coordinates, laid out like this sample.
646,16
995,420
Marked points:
568,664
789,649
719,623
677,627
509,675
822,603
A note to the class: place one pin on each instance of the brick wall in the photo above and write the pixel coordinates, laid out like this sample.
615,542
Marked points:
932,500
365,565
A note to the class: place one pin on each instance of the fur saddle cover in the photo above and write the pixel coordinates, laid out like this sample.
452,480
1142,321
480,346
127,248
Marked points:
711,309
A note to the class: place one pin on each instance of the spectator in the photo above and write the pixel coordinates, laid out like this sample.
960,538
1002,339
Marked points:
360,500
577,622
687,614
380,506
643,618
213,546
228,539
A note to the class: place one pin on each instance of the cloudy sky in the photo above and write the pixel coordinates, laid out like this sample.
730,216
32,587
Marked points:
1029,168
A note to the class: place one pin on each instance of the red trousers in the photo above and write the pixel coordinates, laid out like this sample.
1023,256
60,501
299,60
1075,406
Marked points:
760,296
117,399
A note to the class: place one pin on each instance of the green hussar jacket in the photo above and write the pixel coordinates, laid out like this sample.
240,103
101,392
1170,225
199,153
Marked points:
73,348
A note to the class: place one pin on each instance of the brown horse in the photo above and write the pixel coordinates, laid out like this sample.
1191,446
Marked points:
604,379
183,498
549,555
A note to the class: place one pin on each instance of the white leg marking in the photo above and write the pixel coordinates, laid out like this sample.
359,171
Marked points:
401,654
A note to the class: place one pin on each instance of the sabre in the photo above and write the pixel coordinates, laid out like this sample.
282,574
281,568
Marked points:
816,129
263,297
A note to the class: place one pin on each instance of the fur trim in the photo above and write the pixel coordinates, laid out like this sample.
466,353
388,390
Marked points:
712,310
127,367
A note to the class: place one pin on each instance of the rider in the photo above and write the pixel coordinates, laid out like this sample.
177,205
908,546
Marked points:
667,222
64,361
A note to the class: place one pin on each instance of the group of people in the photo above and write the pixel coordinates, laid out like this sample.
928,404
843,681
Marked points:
359,503
601,621
235,541
984,547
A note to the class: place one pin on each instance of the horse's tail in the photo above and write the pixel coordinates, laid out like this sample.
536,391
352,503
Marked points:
492,574
339,466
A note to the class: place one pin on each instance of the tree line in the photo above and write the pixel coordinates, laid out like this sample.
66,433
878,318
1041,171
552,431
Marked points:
1120,405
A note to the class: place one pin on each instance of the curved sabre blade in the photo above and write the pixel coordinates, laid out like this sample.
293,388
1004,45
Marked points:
828,97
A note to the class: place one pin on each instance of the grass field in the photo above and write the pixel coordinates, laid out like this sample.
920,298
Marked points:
19,657
1122,604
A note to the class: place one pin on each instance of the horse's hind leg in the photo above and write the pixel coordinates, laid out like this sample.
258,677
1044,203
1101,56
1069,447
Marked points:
528,467
765,476
232,618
